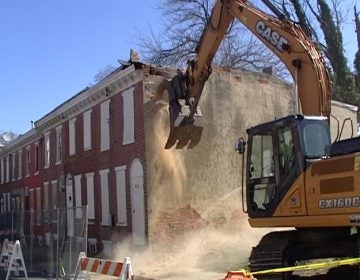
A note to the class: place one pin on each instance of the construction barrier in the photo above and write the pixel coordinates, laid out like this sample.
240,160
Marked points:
11,259
123,270
246,275
5,253
239,275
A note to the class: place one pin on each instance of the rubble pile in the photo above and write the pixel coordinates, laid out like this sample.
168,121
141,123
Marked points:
171,226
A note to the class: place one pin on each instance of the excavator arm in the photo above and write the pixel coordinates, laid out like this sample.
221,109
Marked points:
188,87
284,38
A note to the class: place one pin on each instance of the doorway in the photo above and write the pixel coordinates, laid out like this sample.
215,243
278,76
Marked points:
137,202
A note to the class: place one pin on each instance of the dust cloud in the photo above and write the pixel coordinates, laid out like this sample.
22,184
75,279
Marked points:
166,170
196,225
208,177
209,251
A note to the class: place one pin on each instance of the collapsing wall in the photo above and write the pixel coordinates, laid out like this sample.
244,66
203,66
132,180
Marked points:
206,179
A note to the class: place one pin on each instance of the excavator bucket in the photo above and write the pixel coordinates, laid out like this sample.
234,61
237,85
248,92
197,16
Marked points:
239,275
183,131
187,135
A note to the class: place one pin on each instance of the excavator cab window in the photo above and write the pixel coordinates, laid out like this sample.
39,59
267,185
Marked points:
316,139
274,159
261,171
286,150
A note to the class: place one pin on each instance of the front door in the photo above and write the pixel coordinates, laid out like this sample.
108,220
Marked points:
137,202
69,205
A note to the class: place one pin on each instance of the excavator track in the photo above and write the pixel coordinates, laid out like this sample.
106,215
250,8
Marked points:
270,253
284,248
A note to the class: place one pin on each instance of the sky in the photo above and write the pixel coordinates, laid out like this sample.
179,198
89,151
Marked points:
52,49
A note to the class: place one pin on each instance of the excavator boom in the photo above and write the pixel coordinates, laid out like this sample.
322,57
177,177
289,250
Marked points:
188,87
283,37
295,177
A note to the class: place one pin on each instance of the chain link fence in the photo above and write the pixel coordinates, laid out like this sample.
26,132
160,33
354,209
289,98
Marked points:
51,240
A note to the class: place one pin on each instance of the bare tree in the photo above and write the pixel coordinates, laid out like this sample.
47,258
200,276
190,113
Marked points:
103,72
183,24
184,21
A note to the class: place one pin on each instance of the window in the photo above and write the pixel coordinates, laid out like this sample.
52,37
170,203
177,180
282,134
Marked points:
128,110
7,169
105,209
37,157
92,245
20,165
78,197
261,172
54,194
286,150
4,203
2,171
28,161
47,149
104,126
18,203
72,137
32,206
39,240
13,165
107,247
38,206
13,205
121,195
90,195
58,144
87,130
316,139
46,196
262,163
9,202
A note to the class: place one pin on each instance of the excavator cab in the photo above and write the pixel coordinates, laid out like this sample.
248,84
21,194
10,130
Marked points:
278,152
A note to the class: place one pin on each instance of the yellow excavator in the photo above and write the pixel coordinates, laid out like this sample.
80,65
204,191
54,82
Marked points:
295,176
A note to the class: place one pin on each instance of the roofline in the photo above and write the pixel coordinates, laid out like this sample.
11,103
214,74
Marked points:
119,80
21,140
85,93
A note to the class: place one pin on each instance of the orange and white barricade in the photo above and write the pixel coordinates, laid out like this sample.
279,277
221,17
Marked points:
123,270
11,259
5,253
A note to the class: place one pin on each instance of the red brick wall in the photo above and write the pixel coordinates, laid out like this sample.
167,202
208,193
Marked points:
33,180
54,171
94,160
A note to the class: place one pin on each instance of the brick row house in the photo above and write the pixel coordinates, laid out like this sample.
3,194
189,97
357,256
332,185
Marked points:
104,149
90,150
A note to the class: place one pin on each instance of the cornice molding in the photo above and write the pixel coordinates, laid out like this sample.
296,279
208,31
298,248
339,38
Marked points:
117,82
20,142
